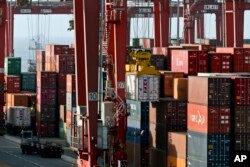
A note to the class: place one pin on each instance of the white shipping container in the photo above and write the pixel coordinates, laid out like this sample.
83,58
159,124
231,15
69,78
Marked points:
142,88
18,116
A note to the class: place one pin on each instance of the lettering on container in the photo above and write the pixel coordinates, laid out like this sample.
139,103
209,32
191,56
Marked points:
145,10
211,7
46,10
179,62
25,10
199,119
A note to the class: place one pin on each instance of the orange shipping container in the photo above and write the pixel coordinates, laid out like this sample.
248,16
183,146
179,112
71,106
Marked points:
208,119
17,100
180,88
168,80
177,144
176,162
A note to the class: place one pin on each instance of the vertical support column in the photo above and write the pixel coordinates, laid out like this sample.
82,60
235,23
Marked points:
200,26
189,25
219,27
80,66
157,39
238,23
234,23
9,31
91,53
164,23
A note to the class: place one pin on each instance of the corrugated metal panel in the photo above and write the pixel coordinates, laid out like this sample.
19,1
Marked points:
220,62
13,84
212,91
242,91
159,61
242,119
28,82
12,65
46,79
242,142
208,148
142,88
177,144
46,96
70,83
137,155
138,110
209,119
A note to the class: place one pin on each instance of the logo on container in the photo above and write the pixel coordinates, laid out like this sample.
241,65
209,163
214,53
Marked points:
198,118
179,62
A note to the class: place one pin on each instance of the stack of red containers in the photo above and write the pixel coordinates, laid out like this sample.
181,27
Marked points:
209,100
220,62
47,104
13,83
241,113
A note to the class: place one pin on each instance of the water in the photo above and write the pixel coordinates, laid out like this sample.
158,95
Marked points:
22,45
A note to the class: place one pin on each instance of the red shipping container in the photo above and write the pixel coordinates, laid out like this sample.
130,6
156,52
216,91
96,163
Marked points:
70,83
12,84
47,129
241,119
220,62
208,119
242,91
189,62
62,81
46,79
46,112
46,96
65,63
146,43
62,96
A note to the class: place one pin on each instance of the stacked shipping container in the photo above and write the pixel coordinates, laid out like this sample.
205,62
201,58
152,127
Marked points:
209,121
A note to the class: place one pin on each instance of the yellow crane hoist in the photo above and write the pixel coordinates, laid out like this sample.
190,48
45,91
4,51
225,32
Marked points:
140,63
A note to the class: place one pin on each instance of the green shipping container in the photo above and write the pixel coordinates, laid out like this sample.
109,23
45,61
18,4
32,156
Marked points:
62,128
12,65
136,42
28,81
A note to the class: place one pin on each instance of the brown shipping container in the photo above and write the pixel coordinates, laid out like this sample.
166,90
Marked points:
17,100
70,83
242,142
208,119
180,88
62,81
63,113
176,162
13,84
177,144
167,85
214,91
242,119
61,95
157,158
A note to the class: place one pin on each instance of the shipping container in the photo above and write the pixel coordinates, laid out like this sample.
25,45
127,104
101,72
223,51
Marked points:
70,101
192,162
65,63
146,43
176,161
157,158
158,136
17,100
70,83
189,61
211,91
47,129
208,147
46,79
172,113
167,82
62,115
46,112
12,65
61,96
180,88
13,84
158,61
62,81
62,130
138,155
220,62
169,55
138,110
242,141
142,88
241,57
138,135
242,91
40,60
18,116
209,119
28,81
69,117
136,42
47,96
177,144
242,119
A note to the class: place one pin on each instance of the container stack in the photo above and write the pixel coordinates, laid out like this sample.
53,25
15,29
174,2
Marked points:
209,114
28,82
241,114
137,137
40,60
220,62
47,121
